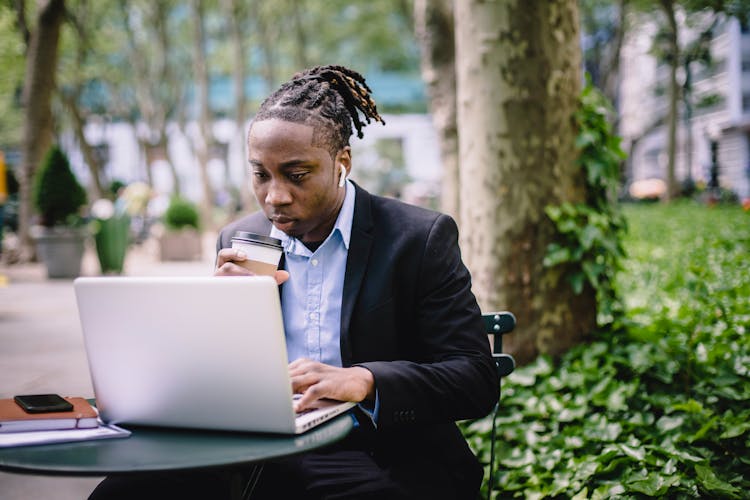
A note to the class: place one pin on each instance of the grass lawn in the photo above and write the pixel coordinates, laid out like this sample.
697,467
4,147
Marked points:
659,408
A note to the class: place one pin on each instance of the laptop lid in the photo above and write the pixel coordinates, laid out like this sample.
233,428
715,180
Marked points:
198,352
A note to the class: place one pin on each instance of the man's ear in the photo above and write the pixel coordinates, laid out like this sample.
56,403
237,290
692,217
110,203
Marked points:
344,157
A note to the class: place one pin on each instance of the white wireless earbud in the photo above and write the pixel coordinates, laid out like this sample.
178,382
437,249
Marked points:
342,179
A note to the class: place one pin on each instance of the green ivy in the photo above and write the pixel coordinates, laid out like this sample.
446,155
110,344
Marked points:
588,246
660,408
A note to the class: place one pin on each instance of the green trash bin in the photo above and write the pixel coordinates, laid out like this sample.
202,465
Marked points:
112,238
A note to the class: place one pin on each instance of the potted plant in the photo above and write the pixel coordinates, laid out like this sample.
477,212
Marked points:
181,239
58,197
111,228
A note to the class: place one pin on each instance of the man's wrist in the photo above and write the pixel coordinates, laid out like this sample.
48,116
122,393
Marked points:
367,380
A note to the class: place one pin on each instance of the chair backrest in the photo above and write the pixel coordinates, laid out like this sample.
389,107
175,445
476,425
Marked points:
497,324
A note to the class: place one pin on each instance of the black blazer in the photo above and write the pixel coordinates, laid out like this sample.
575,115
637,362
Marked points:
409,316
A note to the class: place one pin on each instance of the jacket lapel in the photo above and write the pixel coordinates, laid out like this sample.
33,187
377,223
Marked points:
360,246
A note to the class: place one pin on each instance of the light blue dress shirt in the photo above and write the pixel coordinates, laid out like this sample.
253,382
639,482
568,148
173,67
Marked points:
311,297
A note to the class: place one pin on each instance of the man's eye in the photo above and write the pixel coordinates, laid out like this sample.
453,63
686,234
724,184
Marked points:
297,176
259,175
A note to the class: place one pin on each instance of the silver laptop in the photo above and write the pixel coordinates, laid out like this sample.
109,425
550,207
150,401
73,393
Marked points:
197,352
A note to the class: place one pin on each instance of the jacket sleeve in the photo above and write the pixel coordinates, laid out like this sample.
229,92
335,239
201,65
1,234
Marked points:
455,377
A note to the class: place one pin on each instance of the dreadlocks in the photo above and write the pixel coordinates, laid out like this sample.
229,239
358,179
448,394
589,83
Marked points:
330,99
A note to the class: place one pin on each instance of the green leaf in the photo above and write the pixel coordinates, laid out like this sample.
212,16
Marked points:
710,483
584,139
556,255
589,235
518,458
654,485
666,424
581,495
576,282
701,433
691,406
635,453
735,429
553,212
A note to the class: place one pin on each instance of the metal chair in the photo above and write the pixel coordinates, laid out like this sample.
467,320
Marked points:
497,324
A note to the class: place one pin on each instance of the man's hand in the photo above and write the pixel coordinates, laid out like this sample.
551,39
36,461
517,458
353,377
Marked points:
316,380
226,265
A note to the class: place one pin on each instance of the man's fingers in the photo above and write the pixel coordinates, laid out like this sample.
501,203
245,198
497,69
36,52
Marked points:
309,397
298,366
229,255
231,269
281,276
302,382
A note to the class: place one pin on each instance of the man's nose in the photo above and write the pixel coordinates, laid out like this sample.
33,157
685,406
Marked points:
278,194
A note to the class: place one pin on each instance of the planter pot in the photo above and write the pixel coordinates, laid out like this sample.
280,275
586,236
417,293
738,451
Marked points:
61,250
184,244
112,238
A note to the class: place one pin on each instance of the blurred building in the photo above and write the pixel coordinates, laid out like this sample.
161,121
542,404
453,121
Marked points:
400,159
713,135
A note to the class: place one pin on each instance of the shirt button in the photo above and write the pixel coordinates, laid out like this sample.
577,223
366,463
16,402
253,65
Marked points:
314,262
313,315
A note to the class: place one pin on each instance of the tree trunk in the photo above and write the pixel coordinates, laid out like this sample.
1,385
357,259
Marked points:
79,124
233,12
611,78
687,98
202,146
300,37
71,98
267,44
433,22
156,87
674,93
39,84
519,78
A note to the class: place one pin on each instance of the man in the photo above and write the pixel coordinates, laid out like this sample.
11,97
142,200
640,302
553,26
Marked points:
377,305
377,309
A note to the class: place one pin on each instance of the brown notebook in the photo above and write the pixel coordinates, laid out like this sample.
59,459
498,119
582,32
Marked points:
14,419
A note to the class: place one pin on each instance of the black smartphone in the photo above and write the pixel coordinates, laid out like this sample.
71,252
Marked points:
42,403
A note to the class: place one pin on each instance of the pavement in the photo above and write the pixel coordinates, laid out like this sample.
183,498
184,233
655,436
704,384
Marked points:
41,347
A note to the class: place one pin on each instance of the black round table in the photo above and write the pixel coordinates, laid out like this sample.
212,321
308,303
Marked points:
150,449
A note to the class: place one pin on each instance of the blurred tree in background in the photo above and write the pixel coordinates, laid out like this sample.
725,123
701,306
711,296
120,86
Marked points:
158,64
434,28
607,24
42,40
604,24
12,62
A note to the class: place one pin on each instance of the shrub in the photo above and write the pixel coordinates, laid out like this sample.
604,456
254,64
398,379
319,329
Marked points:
180,214
659,409
57,195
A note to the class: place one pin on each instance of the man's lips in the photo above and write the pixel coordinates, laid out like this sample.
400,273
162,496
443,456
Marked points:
281,219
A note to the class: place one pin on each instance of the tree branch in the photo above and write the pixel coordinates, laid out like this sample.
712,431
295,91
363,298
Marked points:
23,27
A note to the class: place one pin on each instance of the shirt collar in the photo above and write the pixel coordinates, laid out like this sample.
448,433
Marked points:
343,225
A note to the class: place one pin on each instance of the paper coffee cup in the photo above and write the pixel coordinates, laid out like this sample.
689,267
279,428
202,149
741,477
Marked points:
263,252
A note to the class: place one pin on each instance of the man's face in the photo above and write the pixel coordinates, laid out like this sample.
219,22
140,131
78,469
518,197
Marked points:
295,182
